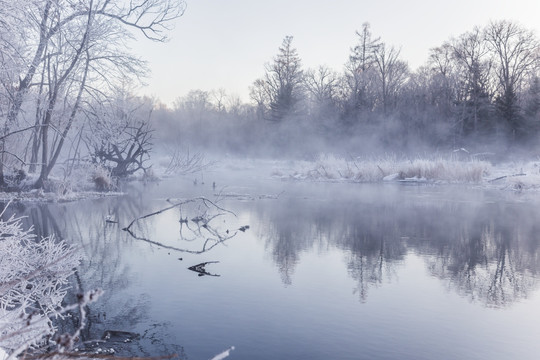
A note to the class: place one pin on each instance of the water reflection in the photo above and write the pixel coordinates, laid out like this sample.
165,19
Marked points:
481,247
107,250
491,255
487,251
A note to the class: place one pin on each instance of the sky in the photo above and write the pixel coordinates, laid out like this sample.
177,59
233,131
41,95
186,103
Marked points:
226,43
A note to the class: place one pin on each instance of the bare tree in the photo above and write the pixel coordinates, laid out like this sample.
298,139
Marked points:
260,94
442,69
515,50
120,133
473,65
322,86
63,53
391,73
218,99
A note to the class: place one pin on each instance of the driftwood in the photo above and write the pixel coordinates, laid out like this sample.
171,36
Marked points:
204,200
506,176
202,229
201,270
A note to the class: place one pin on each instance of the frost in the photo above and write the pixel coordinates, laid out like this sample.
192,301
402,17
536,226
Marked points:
390,168
391,177
224,354
33,282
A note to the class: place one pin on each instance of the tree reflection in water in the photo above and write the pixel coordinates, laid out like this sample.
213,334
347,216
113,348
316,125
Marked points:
104,246
493,258
288,233
488,252
373,246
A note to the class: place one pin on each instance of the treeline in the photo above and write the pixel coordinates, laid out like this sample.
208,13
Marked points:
67,98
479,90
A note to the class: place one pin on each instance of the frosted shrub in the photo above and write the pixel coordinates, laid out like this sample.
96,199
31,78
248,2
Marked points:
84,176
330,167
101,177
33,281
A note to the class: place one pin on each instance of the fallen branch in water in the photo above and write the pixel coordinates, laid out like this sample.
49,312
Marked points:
200,268
201,227
506,176
204,200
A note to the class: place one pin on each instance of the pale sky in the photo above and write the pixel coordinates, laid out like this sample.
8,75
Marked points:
225,43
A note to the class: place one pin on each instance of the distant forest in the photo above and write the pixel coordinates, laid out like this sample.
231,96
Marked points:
68,95
479,91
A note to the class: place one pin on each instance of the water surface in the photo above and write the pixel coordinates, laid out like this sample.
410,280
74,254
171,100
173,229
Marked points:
324,271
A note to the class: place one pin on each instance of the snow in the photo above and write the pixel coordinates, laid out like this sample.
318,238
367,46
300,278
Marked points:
224,354
31,272
452,169
391,177
515,176
38,195
432,169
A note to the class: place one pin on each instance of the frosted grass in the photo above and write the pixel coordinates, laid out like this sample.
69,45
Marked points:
391,168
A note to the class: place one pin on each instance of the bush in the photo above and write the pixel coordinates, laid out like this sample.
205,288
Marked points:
33,282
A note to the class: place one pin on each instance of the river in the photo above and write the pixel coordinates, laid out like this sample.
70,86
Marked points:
298,270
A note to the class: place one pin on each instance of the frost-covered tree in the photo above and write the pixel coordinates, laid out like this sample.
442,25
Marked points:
120,133
61,54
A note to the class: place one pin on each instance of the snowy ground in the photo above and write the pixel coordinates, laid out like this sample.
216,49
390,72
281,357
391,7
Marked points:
515,176
43,196
79,185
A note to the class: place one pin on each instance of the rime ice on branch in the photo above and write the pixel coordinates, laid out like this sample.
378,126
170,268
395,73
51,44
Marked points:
33,282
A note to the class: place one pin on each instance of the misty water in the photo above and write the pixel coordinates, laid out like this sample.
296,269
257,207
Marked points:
324,271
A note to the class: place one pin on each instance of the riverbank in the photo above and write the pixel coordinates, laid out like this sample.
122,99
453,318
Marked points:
516,176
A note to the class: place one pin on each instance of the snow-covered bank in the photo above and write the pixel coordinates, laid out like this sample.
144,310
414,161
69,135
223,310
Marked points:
512,176
38,195
84,182
516,176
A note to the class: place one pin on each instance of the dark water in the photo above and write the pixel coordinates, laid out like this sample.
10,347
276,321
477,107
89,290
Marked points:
324,271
